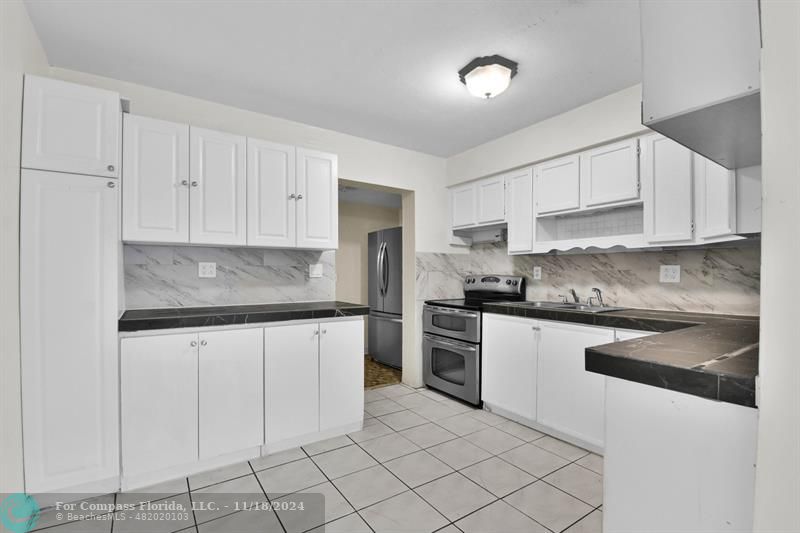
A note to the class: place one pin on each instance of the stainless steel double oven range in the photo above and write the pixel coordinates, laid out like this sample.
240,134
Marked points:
451,338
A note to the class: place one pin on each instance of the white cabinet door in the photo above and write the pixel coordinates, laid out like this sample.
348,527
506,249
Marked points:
570,399
155,184
341,374
519,186
611,174
292,381
231,385
509,364
70,128
463,206
317,200
218,188
715,199
271,196
159,402
68,319
491,200
667,190
557,186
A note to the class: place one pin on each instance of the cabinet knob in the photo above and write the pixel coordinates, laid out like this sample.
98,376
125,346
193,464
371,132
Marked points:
203,343
194,184
110,168
316,332
536,328
111,184
324,331
193,344
299,196
292,196
185,183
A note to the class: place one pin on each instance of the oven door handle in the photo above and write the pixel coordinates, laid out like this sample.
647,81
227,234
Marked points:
452,312
438,340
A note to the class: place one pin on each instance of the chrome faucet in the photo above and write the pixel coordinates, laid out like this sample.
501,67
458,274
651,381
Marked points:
575,296
599,295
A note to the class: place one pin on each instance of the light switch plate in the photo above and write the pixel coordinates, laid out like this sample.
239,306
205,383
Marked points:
670,274
537,273
207,270
315,270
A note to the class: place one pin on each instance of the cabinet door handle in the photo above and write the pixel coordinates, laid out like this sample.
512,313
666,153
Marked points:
111,184
299,196
185,183
203,343
324,331
194,184
536,328
193,344
292,196
110,168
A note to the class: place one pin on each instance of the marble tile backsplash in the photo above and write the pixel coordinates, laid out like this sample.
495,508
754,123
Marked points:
713,280
166,276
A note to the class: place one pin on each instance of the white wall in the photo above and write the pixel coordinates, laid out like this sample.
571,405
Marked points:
600,121
359,159
778,464
20,51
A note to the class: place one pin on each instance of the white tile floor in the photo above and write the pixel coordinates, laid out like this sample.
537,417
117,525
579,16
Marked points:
422,463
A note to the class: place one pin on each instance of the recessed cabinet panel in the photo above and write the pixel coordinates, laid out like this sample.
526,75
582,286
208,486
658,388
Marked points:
155,185
510,362
491,200
341,374
715,199
611,174
231,403
70,128
463,206
317,200
159,402
292,381
68,315
667,190
271,197
520,211
557,185
218,188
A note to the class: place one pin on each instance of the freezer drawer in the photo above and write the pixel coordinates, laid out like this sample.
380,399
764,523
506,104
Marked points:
386,339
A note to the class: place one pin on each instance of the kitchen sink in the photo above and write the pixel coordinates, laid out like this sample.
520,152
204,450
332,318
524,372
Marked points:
566,306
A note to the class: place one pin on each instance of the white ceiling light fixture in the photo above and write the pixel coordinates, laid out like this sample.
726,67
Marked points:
488,76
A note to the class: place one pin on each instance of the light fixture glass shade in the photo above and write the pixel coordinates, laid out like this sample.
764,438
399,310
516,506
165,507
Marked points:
488,81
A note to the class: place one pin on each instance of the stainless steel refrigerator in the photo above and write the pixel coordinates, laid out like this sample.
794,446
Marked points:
385,287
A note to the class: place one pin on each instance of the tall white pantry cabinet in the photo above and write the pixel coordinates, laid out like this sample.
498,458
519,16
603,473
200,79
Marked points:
69,239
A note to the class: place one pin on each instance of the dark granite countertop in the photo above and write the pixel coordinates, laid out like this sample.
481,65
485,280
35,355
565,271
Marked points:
190,317
707,355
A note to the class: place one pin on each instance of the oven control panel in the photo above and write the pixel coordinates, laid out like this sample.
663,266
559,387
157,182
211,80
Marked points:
491,283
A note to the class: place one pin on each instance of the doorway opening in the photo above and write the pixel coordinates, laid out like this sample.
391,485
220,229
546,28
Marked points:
370,264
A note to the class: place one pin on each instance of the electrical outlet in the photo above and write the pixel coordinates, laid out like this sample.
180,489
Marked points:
670,274
207,270
537,273
315,270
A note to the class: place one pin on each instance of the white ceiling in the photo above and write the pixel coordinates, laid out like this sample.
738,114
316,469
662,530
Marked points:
384,70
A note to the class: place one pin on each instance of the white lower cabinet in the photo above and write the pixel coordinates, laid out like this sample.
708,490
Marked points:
292,381
341,374
231,391
570,399
509,364
158,403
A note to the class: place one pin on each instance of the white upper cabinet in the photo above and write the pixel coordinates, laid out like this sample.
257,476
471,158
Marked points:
271,196
68,314
667,190
70,128
491,200
341,374
155,180
218,188
463,206
715,199
317,189
611,174
231,385
557,185
519,200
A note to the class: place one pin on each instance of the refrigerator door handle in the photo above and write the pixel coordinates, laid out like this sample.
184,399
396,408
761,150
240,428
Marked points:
385,267
379,268
386,319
